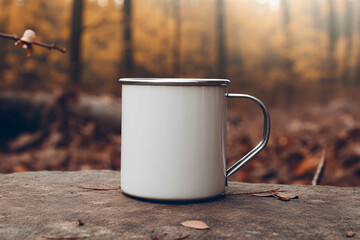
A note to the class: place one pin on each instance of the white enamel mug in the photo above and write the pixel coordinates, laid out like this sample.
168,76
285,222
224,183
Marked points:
173,138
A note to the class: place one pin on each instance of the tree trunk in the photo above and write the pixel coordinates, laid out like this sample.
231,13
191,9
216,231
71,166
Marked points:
75,42
128,39
348,34
221,48
316,14
285,12
357,71
288,62
177,38
332,34
4,43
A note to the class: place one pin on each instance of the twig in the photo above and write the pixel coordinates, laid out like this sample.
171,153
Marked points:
100,188
265,191
50,46
58,237
15,38
9,36
320,169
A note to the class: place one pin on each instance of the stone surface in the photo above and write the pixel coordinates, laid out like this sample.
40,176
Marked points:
36,205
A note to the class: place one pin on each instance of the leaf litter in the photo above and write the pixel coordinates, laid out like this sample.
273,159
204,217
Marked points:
285,196
276,193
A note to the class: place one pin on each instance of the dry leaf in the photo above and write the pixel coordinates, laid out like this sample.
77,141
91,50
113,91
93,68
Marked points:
285,196
27,46
264,194
195,224
281,195
350,234
281,198
29,49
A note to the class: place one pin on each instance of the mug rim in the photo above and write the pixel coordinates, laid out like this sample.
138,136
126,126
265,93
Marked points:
175,81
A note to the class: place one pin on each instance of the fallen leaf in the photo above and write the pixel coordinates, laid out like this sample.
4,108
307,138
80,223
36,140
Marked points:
196,224
281,198
350,234
285,196
279,194
264,194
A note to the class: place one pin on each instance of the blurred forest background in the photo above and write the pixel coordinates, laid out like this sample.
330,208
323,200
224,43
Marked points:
302,58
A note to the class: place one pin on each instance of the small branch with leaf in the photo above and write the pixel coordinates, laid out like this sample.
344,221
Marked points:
27,41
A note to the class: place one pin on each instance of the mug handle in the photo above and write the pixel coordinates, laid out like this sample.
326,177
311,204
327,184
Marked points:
261,144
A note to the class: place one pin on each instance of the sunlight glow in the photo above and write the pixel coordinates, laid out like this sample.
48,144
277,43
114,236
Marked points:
102,3
274,5
119,2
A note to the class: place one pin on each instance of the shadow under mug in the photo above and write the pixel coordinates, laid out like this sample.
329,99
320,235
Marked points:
173,138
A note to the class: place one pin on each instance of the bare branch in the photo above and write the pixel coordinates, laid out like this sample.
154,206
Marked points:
10,36
15,38
50,46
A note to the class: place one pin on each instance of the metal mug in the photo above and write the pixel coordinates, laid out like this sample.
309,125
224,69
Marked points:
173,138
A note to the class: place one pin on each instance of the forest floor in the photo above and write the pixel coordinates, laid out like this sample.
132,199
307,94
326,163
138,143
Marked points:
301,135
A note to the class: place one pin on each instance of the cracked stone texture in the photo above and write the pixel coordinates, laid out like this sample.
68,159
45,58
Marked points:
34,205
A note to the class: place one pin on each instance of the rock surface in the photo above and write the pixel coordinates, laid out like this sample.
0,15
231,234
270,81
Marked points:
41,205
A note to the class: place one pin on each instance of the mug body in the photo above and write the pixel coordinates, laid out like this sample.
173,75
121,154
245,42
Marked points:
173,141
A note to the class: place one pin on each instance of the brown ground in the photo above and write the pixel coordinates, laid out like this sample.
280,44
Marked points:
299,135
